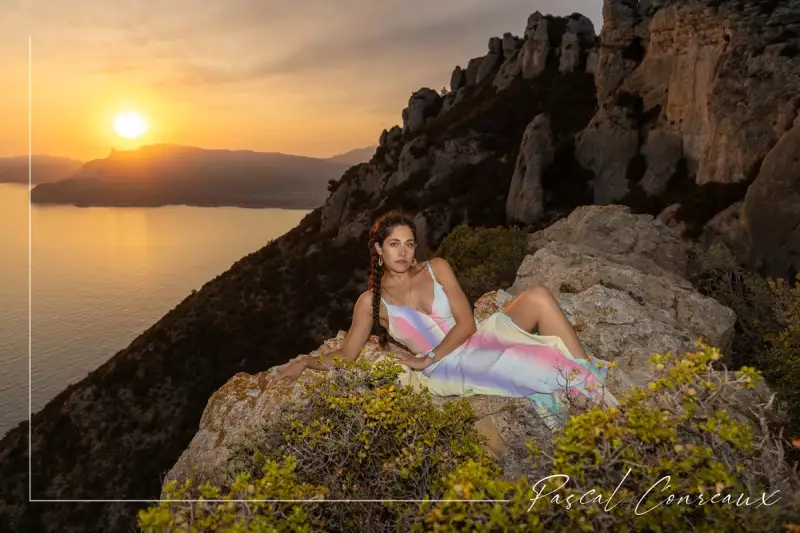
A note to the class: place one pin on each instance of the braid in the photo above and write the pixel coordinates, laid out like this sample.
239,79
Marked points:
378,234
375,281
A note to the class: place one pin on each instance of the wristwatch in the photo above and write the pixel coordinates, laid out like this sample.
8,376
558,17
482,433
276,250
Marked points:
429,354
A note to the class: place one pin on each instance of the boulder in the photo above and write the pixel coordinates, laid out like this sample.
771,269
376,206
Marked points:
458,79
625,313
423,104
525,202
491,60
473,66
536,48
616,230
570,56
510,44
456,154
509,70
606,147
728,228
772,209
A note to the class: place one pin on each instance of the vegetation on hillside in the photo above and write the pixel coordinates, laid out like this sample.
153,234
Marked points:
355,434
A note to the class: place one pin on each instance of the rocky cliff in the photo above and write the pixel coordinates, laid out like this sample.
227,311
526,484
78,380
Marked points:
618,278
675,110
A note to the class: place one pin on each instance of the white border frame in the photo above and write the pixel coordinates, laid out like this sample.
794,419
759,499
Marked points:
30,359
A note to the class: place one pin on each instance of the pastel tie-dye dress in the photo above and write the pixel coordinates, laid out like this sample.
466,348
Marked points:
499,359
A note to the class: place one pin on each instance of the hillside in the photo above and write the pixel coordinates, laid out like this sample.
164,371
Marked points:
44,168
353,157
683,109
167,174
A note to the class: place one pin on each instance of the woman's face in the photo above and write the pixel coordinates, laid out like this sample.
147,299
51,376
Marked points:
398,249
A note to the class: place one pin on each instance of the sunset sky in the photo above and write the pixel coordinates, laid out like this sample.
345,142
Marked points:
308,77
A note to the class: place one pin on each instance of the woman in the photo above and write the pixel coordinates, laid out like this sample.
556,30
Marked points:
423,307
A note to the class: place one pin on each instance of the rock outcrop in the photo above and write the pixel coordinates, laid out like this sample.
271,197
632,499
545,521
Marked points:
694,94
536,49
526,196
423,104
622,313
772,208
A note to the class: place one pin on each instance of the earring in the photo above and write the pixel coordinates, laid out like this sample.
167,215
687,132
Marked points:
380,260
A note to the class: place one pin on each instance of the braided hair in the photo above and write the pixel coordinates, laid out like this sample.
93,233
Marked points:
381,229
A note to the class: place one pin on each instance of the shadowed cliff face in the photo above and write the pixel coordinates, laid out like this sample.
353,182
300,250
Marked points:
117,432
693,97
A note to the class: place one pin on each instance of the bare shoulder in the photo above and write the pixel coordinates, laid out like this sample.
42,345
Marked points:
365,300
441,267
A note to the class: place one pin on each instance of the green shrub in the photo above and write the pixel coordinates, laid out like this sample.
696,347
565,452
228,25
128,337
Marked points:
352,434
484,259
781,360
677,426
276,481
767,322
719,275
359,436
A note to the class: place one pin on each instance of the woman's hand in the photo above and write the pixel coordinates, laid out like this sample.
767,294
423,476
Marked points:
292,369
414,363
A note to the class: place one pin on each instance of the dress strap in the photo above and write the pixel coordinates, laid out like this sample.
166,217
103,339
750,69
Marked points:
431,270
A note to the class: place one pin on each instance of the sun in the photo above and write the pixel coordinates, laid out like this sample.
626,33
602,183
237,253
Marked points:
130,125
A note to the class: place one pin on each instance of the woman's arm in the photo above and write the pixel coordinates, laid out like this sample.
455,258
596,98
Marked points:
356,338
459,306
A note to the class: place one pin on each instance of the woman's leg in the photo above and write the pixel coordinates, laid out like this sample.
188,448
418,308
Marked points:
535,309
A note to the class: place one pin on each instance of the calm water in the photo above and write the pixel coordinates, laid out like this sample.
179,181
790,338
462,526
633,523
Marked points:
100,277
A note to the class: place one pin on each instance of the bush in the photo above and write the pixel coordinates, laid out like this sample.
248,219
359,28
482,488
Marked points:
781,360
719,276
361,437
484,259
678,426
277,481
767,322
353,434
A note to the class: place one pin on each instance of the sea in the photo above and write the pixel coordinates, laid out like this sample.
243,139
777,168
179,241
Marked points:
94,278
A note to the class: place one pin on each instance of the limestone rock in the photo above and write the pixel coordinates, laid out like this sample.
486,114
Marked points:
334,206
591,62
606,147
579,35
536,48
582,27
473,66
457,154
414,157
534,19
728,227
614,229
508,71
423,104
669,216
510,44
772,209
389,137
458,79
570,57
662,151
354,228
490,60
618,46
525,202
574,268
